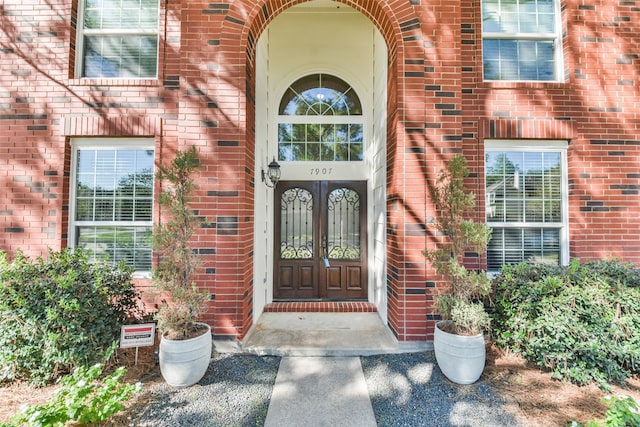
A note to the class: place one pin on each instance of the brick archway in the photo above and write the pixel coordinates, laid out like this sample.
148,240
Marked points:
413,140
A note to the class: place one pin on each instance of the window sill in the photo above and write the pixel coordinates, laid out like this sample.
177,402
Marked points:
522,85
115,82
141,275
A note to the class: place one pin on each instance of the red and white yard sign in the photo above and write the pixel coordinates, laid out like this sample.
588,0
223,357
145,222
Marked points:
137,335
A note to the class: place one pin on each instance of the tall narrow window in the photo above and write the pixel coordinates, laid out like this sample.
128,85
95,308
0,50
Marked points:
320,119
112,200
118,39
521,40
343,224
526,204
296,228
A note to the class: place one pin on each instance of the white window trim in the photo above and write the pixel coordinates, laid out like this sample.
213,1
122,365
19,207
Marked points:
339,120
555,38
81,32
558,146
302,167
106,144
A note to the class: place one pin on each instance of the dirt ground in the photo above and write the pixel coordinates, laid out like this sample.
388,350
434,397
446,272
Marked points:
532,395
538,400
15,395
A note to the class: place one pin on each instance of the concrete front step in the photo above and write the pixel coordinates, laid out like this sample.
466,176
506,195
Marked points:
319,334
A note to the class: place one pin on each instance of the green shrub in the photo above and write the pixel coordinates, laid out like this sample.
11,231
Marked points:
59,313
82,397
581,321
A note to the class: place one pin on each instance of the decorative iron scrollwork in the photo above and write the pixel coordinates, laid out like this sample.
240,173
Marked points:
296,228
343,224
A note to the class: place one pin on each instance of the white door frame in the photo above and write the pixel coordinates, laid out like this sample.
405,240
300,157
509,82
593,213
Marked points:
370,85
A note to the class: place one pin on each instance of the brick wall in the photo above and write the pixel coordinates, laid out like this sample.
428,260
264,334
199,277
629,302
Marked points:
438,106
595,108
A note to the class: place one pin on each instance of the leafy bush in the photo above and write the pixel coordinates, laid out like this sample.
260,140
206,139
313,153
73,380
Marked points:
83,397
582,321
623,412
59,313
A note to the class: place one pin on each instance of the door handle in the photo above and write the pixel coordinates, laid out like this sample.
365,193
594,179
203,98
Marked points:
325,251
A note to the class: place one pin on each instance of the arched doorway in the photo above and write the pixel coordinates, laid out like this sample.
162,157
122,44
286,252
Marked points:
321,46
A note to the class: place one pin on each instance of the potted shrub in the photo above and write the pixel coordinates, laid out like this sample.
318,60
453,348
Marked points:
185,344
459,339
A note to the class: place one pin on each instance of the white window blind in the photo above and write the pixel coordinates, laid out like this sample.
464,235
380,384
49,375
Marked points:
113,203
118,38
521,40
525,205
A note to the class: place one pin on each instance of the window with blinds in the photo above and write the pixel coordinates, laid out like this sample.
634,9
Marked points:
521,40
525,205
113,203
118,38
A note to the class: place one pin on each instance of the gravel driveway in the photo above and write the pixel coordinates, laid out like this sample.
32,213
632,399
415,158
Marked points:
405,389
409,390
235,391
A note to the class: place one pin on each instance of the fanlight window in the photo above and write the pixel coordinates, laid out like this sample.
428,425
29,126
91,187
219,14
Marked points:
320,119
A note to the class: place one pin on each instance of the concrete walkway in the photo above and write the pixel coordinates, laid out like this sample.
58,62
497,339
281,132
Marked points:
321,377
320,391
320,381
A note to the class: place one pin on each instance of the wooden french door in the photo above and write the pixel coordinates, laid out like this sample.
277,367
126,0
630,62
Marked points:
320,249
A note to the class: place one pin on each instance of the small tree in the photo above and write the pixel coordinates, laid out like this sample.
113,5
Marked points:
178,263
459,301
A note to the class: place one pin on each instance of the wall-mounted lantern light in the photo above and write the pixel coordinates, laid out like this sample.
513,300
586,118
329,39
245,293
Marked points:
272,175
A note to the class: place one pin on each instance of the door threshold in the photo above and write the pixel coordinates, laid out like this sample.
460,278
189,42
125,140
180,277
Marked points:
320,307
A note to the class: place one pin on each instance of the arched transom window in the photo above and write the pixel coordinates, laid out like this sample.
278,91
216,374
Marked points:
320,119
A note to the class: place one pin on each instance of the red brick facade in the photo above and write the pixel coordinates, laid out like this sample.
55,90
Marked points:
438,106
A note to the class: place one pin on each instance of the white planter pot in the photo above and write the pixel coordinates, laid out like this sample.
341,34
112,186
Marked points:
184,362
460,358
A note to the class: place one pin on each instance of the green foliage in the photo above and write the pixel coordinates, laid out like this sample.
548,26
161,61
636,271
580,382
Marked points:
581,321
459,302
59,313
82,397
173,276
623,412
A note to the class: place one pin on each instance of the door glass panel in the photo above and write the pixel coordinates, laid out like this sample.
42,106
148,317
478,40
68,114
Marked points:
296,224
343,224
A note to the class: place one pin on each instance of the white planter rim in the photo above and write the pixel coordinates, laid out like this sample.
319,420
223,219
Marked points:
450,322
207,330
